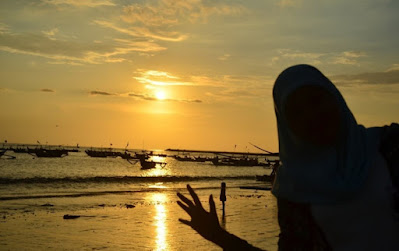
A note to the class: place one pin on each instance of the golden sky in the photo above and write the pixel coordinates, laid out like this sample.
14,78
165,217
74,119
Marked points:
192,74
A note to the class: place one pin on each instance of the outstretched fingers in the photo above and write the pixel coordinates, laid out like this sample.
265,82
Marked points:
212,207
188,223
184,207
195,196
185,200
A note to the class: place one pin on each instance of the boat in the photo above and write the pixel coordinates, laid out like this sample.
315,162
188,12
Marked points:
142,156
19,150
145,164
184,158
230,161
50,153
202,159
192,158
269,178
2,153
126,155
101,154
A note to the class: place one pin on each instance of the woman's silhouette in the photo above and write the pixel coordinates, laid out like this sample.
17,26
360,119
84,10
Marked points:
337,186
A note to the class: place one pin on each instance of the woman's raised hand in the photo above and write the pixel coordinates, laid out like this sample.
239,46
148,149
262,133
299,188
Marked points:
205,223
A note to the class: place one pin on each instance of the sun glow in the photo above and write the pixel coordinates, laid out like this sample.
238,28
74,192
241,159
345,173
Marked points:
160,95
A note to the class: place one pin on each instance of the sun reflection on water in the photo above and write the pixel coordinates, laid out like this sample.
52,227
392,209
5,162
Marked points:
158,170
161,242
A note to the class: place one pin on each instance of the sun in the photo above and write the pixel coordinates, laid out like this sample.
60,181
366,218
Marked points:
160,95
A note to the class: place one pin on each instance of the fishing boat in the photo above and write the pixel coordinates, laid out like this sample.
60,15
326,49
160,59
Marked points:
231,161
102,154
126,155
145,164
142,156
184,158
192,158
2,153
50,153
269,178
202,159
19,150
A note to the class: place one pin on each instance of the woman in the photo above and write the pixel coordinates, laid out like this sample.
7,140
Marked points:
334,189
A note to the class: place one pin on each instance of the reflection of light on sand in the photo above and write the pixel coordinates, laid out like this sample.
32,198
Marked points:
160,221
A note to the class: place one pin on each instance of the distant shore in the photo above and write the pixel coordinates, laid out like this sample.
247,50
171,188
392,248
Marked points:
10,146
221,152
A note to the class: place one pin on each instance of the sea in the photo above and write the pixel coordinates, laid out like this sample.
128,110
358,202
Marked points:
78,184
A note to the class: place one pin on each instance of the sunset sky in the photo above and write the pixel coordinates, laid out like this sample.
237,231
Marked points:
190,74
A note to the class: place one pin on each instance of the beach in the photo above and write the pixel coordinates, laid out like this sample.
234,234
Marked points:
124,211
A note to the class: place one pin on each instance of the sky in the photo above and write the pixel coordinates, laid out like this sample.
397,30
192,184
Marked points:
195,74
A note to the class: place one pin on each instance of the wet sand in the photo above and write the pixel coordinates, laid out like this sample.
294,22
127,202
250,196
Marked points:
150,223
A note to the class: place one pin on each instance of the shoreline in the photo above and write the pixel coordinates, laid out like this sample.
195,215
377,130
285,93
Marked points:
149,223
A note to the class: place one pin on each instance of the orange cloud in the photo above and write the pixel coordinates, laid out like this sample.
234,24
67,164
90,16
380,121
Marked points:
70,52
46,90
171,12
80,3
144,32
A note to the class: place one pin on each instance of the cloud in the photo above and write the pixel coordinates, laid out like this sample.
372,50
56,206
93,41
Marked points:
224,57
296,55
239,89
80,3
344,58
152,98
51,33
69,52
158,20
143,32
288,3
47,90
3,27
394,67
159,78
171,12
390,77
162,78
95,93
141,96
348,58
192,100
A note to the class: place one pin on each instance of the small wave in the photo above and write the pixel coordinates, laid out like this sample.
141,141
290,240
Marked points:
117,179
97,193
63,195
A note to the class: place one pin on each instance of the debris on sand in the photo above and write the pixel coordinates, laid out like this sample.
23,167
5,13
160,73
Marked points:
47,205
130,206
70,216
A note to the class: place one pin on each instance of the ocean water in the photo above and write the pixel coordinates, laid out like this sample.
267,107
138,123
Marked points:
82,185
29,177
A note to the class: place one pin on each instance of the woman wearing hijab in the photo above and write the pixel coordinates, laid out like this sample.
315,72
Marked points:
337,186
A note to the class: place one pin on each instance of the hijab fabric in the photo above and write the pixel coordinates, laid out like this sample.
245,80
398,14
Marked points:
314,174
